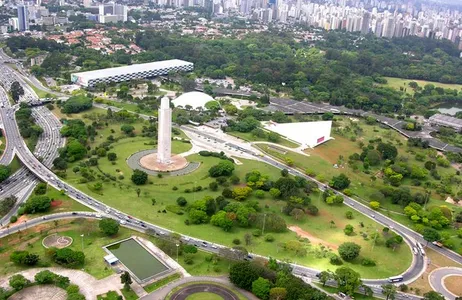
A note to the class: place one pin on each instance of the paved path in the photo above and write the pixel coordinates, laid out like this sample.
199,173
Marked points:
163,292
37,292
225,293
437,277
90,287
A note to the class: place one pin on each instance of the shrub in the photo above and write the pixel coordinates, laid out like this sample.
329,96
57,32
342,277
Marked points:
13,219
188,258
189,249
368,262
269,238
181,201
256,232
236,241
335,260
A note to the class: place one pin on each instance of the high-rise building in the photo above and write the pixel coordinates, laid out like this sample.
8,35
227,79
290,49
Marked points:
365,22
121,11
23,18
14,23
86,3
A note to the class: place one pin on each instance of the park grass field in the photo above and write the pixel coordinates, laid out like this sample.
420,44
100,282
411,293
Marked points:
322,159
249,137
397,83
161,190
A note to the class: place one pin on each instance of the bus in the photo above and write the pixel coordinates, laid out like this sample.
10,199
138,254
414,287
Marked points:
395,279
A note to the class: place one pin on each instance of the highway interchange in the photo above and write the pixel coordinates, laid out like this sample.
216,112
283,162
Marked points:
51,140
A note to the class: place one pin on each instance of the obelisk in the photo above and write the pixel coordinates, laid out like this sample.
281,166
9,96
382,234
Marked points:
164,134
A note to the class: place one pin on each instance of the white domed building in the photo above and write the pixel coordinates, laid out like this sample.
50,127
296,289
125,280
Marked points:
196,100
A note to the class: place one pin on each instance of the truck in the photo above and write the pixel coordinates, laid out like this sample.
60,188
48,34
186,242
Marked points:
437,244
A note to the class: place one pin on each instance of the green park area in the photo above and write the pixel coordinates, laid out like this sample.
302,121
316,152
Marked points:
402,83
156,201
422,170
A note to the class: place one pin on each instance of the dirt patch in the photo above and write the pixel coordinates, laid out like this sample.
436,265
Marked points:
314,240
57,241
56,203
452,283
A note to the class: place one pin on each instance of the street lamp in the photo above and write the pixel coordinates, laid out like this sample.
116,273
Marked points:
82,240
264,221
177,247
25,223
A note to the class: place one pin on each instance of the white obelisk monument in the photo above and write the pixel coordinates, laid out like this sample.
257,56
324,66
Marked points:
164,131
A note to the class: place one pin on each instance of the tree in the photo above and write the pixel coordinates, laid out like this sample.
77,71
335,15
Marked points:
127,129
213,186
126,280
261,288
76,104
347,280
340,182
388,151
278,293
69,258
111,156
373,157
223,168
389,290
287,186
243,274
16,91
37,204
139,177
430,235
349,229
349,214
374,205
138,192
241,193
45,277
324,277
109,226
5,172
349,251
24,258
222,219
18,282
7,204
432,295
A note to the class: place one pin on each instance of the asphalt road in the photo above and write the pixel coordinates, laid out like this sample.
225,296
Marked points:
437,277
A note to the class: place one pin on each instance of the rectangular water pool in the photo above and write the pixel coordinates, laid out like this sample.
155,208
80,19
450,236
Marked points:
136,258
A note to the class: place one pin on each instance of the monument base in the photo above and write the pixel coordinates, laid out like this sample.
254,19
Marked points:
177,162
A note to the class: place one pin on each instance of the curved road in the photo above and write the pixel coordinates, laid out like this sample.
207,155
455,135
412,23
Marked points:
437,277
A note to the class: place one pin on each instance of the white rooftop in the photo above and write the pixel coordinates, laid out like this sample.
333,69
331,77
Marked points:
310,134
110,259
193,99
132,69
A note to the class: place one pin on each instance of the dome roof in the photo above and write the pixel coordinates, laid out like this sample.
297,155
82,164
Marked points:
193,99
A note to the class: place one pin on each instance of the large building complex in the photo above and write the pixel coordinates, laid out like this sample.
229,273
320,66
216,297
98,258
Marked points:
127,73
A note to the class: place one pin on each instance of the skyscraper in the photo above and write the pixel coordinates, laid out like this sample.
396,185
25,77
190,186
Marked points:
164,137
23,18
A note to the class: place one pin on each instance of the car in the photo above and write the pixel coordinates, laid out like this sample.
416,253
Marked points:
74,213
372,216
122,222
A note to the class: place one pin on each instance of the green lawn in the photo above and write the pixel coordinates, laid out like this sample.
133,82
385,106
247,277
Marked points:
129,295
2,143
111,295
202,267
40,93
15,164
397,83
160,283
247,136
